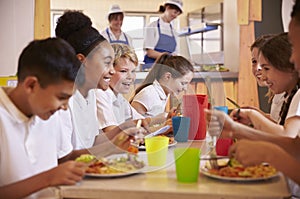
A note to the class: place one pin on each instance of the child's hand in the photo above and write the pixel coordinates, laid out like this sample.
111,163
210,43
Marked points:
67,173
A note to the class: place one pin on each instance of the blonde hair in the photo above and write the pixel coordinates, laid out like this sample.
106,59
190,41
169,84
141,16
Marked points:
124,51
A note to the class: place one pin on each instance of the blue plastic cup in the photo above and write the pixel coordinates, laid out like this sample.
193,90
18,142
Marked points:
181,127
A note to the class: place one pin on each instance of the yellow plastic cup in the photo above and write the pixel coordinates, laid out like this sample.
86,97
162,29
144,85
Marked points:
157,149
187,164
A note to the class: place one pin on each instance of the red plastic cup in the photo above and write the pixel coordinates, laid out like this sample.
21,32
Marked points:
193,107
222,146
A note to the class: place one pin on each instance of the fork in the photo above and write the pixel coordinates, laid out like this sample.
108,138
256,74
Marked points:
213,161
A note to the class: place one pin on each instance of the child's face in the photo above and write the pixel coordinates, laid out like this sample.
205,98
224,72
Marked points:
99,66
124,76
180,84
256,69
294,31
45,102
278,81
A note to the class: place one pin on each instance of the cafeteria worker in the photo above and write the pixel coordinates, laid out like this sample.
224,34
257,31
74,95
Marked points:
113,33
160,36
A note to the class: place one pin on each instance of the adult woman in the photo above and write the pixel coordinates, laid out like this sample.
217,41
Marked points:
159,35
113,33
112,108
169,75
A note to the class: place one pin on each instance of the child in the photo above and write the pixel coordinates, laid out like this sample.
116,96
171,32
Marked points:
96,56
169,75
112,108
29,125
280,77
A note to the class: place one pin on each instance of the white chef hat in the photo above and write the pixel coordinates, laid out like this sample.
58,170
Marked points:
114,9
177,3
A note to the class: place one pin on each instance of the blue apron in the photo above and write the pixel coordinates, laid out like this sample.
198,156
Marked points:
165,43
117,41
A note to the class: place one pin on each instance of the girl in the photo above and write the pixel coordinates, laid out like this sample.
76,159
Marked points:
169,75
280,76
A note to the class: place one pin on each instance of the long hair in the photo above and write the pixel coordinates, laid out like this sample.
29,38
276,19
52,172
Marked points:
178,66
277,52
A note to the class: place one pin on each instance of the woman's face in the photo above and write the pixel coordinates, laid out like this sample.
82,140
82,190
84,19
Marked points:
294,31
278,81
124,76
171,14
99,67
116,23
176,86
256,69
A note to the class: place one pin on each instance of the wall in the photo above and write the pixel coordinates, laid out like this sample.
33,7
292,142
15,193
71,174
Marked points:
16,22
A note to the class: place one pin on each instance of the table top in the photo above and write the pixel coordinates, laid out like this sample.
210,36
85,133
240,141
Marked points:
163,184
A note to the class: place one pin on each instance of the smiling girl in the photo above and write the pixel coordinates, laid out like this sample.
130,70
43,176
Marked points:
280,76
169,75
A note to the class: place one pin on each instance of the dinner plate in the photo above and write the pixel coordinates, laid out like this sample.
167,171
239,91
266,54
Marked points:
205,172
116,175
143,148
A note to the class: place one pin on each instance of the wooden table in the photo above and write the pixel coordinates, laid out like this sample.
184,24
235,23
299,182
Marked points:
163,184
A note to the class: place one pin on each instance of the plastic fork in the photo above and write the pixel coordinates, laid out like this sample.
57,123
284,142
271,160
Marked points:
213,161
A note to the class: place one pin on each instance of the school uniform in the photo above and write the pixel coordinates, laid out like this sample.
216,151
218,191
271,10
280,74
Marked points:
113,110
110,37
28,146
159,36
276,105
294,109
153,98
84,119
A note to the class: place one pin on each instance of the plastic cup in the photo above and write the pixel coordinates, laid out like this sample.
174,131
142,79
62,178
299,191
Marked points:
181,127
223,144
157,149
187,164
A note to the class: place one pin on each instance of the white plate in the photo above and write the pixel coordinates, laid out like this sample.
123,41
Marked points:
115,175
143,148
205,172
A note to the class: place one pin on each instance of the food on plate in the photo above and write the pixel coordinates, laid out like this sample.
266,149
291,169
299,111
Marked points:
123,164
235,170
86,158
133,149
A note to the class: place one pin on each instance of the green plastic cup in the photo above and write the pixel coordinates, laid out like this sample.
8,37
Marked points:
157,149
187,164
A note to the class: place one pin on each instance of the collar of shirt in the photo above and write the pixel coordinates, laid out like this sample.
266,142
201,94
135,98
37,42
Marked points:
160,90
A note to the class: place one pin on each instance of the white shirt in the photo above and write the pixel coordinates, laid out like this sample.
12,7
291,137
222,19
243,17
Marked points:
113,110
153,98
152,35
294,109
113,38
276,105
28,146
84,119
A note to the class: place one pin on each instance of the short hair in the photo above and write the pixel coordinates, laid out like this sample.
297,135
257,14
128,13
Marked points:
51,60
115,16
124,51
296,11
76,28
278,51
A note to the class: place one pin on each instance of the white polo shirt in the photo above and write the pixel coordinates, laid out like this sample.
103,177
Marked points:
113,110
153,98
28,146
294,109
276,105
84,119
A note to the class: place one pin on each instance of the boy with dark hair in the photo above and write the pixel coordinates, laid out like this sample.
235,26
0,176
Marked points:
28,146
